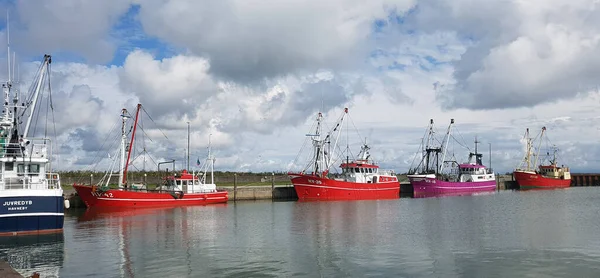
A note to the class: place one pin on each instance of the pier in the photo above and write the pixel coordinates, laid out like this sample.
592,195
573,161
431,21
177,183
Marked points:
585,179
6,271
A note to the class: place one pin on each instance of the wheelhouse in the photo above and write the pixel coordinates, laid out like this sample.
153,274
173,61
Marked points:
359,168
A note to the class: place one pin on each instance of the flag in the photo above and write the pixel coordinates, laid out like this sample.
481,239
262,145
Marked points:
198,162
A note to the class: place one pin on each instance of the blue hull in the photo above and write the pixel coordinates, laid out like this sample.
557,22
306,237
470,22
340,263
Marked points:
31,214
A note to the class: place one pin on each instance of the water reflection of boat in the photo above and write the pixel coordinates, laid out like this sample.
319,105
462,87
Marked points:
542,188
43,253
118,212
448,194
133,240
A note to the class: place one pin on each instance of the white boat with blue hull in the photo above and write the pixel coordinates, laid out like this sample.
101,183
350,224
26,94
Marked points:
31,198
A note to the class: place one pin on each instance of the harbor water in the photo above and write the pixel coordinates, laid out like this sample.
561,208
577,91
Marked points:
549,233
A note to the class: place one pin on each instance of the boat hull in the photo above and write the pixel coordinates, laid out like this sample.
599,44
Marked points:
125,198
527,180
309,187
427,187
29,213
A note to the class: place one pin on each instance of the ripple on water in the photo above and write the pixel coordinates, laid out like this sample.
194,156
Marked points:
510,234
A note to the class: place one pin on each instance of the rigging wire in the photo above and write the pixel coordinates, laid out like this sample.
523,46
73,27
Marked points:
155,123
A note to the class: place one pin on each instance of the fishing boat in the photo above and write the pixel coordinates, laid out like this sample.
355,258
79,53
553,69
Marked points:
429,178
359,179
31,198
178,190
545,176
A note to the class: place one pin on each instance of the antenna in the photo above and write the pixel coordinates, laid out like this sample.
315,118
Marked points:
212,161
14,63
188,146
8,43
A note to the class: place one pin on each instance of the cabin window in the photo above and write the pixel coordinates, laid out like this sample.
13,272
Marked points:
356,170
34,168
20,168
8,166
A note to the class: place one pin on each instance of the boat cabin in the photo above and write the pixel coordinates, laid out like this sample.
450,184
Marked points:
26,166
188,183
553,171
359,168
364,172
474,173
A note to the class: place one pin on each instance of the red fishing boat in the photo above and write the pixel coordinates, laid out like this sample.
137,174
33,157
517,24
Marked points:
545,176
359,179
178,190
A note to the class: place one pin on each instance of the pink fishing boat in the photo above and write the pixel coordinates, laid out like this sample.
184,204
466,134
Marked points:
429,177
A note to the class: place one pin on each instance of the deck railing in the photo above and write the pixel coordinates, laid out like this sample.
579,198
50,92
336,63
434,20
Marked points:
51,181
34,147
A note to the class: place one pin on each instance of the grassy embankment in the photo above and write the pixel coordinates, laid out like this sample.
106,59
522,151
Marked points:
153,179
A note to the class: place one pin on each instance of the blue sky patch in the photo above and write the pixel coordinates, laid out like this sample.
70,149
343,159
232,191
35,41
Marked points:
130,36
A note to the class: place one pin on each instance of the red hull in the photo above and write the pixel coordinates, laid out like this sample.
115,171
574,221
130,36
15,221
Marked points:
530,180
124,198
309,187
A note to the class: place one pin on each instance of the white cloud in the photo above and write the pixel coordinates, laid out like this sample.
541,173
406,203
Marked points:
251,40
524,52
79,26
254,74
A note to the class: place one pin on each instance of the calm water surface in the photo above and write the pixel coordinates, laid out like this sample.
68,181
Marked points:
507,234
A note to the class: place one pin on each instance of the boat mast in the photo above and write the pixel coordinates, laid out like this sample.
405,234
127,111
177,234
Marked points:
427,146
137,113
212,161
337,137
124,118
8,83
554,150
527,158
318,143
38,87
188,146
539,147
8,45
441,167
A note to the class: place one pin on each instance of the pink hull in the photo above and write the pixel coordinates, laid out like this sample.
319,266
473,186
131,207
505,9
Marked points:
431,186
124,198
309,187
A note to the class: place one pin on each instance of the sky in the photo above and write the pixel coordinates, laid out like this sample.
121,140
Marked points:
254,74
